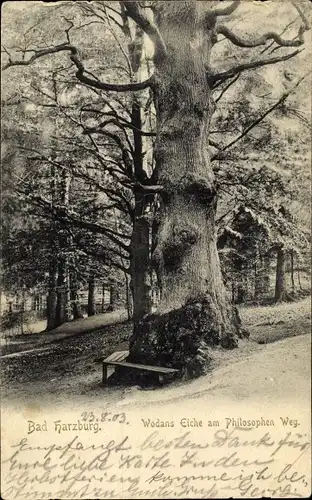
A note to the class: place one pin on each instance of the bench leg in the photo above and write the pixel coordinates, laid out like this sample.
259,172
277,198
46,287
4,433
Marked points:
104,374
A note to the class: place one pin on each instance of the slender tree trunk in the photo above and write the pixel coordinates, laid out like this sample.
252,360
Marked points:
280,288
62,293
140,250
91,296
74,296
262,282
292,277
77,312
298,274
113,302
241,294
233,292
52,286
256,275
52,295
63,306
194,312
103,298
140,267
128,296
241,284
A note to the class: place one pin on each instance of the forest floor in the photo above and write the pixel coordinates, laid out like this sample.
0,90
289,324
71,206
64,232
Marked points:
69,368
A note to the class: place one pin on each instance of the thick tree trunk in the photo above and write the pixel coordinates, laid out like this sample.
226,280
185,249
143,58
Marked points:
91,296
280,289
194,312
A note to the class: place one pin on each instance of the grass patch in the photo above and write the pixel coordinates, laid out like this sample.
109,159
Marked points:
271,323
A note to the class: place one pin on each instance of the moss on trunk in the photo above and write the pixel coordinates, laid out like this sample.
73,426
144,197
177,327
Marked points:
184,338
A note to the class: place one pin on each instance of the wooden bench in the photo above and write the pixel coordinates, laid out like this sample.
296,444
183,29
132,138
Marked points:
117,359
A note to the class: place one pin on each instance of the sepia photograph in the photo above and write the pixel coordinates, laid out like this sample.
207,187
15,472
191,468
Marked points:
155,249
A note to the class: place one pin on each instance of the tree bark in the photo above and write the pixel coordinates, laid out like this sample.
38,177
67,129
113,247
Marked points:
91,296
194,312
280,288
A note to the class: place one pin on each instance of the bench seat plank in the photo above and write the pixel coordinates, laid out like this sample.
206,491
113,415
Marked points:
158,369
123,355
116,356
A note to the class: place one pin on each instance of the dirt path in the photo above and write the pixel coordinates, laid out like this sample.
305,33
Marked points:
69,371
279,371
270,373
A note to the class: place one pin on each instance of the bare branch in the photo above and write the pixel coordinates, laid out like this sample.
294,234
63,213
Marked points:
240,42
216,79
109,7
147,188
227,10
113,194
37,54
271,35
70,217
103,257
67,30
259,119
227,87
91,10
116,252
80,74
119,122
125,153
301,14
282,32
